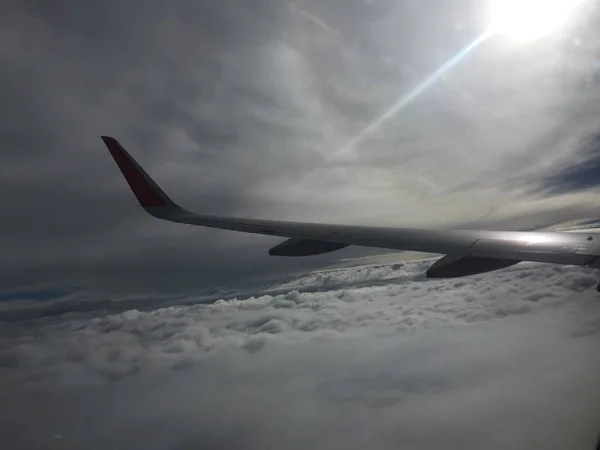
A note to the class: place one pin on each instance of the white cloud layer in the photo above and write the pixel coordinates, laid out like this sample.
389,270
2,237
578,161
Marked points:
365,356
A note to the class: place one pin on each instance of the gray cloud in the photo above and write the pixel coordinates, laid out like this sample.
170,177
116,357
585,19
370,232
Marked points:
578,172
246,109
242,109
501,360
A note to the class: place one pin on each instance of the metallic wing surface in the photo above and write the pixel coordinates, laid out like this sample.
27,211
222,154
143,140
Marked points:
468,251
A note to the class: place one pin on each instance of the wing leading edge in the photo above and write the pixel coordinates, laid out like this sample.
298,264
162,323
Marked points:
466,249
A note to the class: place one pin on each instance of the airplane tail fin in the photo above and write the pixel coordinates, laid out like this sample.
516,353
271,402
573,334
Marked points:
150,196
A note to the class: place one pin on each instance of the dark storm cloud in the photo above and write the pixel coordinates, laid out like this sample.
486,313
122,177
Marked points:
242,108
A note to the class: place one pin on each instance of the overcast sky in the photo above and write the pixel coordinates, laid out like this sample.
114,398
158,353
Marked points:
258,109
379,112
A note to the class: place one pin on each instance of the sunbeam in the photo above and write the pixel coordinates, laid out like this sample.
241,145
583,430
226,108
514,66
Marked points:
410,96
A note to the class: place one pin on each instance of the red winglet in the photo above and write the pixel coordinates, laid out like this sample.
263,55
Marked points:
145,189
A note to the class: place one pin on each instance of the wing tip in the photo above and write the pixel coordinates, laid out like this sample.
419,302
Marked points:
145,189
109,140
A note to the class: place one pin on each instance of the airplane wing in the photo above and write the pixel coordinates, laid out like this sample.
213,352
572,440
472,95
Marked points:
467,252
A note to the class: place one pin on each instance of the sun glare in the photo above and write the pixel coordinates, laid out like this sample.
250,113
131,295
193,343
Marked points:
529,20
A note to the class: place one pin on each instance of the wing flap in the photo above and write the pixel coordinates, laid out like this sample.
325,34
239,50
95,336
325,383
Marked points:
305,247
451,266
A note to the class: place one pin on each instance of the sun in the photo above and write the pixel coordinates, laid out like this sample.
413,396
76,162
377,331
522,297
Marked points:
529,20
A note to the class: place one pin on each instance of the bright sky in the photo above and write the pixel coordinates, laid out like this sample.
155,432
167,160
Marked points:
525,21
